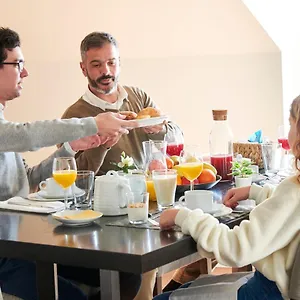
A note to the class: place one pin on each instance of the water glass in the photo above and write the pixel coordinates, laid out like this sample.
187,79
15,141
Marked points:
165,187
137,207
271,155
82,190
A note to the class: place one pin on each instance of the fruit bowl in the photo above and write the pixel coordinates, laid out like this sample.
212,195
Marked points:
180,189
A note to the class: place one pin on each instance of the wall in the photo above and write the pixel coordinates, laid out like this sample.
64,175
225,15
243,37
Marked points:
280,20
190,56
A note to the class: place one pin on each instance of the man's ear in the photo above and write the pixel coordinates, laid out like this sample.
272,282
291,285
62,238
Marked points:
83,69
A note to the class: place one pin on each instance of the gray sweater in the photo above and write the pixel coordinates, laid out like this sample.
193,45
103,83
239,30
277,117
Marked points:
16,178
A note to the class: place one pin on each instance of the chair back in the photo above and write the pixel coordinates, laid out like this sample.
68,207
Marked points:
294,289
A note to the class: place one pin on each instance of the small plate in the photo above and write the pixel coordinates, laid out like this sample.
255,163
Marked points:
45,195
151,121
76,220
200,186
223,212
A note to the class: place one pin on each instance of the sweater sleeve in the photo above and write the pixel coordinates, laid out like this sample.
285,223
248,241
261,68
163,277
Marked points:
22,137
259,194
271,226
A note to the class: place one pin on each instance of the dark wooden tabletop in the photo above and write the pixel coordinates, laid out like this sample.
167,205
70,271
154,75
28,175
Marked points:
40,238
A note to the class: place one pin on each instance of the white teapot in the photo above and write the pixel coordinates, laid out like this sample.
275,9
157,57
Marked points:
110,194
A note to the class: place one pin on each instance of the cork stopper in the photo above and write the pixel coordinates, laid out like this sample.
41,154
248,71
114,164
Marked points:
220,115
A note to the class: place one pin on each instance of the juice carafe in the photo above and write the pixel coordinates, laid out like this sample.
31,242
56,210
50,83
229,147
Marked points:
221,145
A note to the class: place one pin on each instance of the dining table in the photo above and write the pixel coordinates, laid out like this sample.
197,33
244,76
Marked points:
111,249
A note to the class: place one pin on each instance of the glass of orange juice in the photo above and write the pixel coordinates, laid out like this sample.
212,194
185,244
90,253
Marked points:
191,163
64,172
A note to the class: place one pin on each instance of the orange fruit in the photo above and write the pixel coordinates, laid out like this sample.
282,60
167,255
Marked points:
206,176
169,162
178,180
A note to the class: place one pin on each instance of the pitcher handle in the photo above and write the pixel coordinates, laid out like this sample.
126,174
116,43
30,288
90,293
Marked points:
180,201
125,189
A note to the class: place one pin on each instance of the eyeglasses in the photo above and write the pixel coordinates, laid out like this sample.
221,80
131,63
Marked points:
20,64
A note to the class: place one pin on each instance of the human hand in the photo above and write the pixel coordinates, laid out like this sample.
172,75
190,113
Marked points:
234,195
85,143
156,128
111,124
112,141
167,218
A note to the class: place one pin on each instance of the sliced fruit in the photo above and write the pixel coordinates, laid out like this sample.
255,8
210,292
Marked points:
176,159
206,176
169,162
178,180
210,167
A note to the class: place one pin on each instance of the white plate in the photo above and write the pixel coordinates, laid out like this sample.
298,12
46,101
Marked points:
151,121
59,216
45,195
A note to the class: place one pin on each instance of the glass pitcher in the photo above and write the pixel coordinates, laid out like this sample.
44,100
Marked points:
155,156
155,159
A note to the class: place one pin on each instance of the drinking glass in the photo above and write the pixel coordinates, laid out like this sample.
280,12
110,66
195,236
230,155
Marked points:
64,172
165,187
174,142
191,163
283,132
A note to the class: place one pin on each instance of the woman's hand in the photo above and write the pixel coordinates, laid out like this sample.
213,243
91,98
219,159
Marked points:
167,218
234,195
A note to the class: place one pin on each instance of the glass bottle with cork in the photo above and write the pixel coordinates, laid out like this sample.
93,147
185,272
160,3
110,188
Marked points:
221,144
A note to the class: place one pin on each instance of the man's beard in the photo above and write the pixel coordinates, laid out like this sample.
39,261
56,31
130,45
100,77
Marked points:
110,89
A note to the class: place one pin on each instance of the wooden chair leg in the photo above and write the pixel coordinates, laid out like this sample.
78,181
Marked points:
247,268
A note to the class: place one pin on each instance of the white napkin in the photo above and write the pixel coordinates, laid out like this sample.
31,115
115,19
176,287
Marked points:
245,205
21,204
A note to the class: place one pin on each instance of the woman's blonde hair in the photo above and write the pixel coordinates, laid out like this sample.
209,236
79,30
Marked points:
295,115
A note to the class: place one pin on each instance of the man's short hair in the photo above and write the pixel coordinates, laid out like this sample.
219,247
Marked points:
9,40
96,40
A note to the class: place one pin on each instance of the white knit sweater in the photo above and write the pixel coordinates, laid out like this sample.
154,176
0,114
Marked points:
269,239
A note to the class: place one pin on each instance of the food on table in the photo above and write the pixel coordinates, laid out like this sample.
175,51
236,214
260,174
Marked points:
176,159
169,162
137,211
130,115
206,176
148,112
85,214
210,167
191,170
156,164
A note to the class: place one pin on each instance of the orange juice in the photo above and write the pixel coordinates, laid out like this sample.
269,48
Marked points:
191,170
65,178
151,190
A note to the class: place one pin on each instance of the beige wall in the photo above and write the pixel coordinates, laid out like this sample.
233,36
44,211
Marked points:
190,56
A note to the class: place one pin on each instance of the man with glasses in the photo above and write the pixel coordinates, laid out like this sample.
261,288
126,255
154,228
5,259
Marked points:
18,277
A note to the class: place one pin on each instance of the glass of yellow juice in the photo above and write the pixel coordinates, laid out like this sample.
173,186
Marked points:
64,172
191,163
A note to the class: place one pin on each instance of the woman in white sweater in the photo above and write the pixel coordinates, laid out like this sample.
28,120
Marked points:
269,239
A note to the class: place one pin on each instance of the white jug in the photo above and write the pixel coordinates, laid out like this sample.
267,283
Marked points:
110,194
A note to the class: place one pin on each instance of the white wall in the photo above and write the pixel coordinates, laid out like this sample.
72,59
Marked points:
190,56
280,19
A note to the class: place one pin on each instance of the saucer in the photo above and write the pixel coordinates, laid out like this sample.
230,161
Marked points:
217,207
77,217
45,195
223,212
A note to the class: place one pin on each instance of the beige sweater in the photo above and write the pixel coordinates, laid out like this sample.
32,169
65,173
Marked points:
99,159
269,239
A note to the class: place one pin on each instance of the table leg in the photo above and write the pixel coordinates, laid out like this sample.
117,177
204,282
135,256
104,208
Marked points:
110,285
46,277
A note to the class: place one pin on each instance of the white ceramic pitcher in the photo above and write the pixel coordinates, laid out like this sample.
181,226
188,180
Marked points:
110,194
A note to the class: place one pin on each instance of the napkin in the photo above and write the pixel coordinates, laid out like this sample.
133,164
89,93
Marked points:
21,204
245,205
256,137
